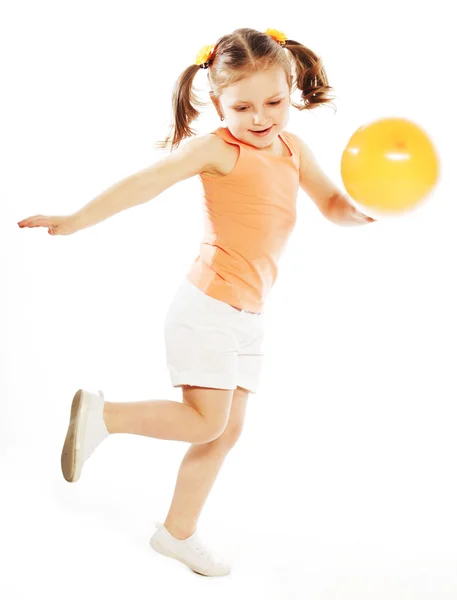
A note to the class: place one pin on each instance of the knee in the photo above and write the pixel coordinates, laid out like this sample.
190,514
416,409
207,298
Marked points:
229,436
224,434
209,432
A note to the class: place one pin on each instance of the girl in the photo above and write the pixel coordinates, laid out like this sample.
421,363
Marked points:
250,170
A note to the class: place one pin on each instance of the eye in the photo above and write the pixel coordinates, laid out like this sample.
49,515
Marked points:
242,108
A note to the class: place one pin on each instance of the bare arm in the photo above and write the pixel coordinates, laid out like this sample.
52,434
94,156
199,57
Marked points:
193,157
329,199
190,159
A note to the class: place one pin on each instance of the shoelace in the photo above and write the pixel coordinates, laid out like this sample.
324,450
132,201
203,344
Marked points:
197,545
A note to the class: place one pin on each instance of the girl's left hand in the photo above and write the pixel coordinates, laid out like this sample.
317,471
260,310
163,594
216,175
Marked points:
361,218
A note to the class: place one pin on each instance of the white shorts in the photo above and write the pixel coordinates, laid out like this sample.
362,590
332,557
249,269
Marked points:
212,344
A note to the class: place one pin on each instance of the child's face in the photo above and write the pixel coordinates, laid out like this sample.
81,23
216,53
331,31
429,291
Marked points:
257,102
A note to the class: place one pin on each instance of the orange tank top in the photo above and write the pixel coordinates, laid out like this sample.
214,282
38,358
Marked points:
248,218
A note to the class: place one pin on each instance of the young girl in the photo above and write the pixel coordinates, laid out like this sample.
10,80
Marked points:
250,170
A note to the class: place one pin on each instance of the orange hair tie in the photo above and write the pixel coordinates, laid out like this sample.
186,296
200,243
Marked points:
279,36
205,53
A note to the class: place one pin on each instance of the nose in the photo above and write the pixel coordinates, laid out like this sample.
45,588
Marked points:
258,118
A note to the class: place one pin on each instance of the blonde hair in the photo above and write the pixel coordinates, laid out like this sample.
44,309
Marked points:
236,56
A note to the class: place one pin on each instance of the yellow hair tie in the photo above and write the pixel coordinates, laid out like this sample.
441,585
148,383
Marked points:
204,55
279,36
206,52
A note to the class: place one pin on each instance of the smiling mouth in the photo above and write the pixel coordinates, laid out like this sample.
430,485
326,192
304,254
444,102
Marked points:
260,130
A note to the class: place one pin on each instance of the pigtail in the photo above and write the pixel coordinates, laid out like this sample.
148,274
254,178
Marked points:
230,59
184,102
311,78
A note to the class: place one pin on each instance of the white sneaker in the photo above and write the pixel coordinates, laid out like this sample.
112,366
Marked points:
190,552
86,431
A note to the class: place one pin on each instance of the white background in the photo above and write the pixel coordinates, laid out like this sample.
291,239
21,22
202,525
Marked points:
343,483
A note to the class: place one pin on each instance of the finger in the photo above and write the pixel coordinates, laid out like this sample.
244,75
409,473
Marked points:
36,221
25,222
363,217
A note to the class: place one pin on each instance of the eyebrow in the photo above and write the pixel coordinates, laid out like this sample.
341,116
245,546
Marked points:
247,102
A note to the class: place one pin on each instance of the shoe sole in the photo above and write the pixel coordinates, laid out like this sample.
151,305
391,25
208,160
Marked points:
70,459
157,546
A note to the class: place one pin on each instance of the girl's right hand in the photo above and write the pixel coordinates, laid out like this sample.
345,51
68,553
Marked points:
56,225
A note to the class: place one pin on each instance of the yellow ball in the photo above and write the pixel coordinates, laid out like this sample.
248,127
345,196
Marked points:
390,165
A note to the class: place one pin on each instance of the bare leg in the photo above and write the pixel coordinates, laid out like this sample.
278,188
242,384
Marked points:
198,472
170,420
162,419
